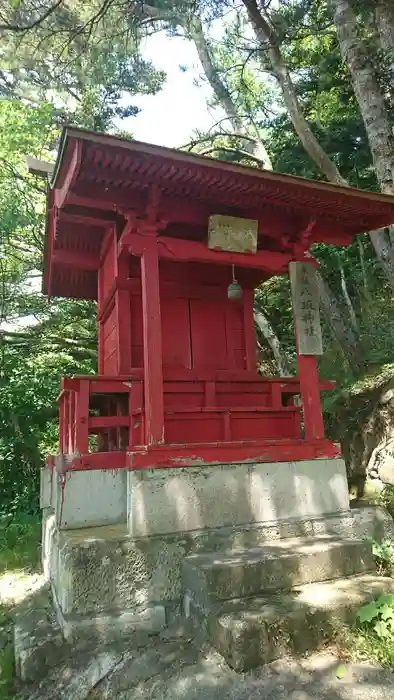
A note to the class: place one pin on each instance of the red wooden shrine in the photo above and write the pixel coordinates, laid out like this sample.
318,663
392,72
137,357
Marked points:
178,384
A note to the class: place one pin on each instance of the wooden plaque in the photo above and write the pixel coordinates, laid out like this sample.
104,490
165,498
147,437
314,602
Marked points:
232,234
305,296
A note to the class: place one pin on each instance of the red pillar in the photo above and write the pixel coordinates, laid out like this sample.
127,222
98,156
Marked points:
310,394
123,317
153,363
307,363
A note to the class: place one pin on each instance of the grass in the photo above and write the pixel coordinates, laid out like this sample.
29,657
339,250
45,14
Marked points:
19,557
358,643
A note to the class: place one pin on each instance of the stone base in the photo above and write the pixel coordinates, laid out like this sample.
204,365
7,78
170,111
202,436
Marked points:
179,500
159,501
109,584
81,499
254,631
122,575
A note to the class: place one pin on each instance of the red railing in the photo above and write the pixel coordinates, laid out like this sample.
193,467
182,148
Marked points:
106,413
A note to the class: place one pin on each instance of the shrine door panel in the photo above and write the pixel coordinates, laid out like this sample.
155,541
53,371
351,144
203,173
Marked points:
175,325
217,335
137,338
109,335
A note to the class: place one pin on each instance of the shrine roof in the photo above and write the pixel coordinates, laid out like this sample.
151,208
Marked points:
98,178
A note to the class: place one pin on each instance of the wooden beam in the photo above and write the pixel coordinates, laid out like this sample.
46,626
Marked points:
310,393
85,220
193,251
92,201
76,258
63,190
123,321
39,168
153,359
249,331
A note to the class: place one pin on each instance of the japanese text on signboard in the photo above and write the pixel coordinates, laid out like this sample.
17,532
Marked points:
305,296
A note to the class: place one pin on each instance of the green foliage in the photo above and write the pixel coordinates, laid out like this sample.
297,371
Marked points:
19,555
384,556
361,643
379,616
84,59
387,500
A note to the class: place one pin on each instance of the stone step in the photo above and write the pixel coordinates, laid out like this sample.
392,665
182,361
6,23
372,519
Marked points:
279,565
254,631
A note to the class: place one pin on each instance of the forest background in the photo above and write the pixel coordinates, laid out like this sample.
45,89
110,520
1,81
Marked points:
298,86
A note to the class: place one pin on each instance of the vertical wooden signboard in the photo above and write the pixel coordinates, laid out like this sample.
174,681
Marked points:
305,296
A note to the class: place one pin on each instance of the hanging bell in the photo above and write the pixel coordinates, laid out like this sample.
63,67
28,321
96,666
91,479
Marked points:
234,290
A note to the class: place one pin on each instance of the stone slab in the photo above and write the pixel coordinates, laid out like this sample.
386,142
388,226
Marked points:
255,631
96,570
164,501
90,498
38,640
108,628
46,478
275,566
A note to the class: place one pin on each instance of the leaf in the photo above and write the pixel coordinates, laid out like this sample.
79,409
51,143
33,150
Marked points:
340,672
385,599
387,612
368,612
381,629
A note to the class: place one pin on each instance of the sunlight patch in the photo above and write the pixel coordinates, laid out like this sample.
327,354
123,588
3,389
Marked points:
16,586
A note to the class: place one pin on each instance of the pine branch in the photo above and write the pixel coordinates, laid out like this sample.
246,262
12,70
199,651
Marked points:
18,28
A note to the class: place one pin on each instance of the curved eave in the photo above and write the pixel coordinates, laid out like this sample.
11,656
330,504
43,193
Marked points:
101,169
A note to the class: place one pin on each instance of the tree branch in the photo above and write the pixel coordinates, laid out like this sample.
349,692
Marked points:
269,41
18,28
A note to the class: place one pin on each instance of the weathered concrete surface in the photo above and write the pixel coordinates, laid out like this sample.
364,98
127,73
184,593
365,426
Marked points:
310,679
102,571
276,566
112,626
86,498
164,501
254,631
76,677
175,665
186,672
38,639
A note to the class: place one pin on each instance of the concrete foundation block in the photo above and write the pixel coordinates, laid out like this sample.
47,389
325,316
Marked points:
255,631
46,481
106,629
38,639
180,500
103,571
273,567
90,498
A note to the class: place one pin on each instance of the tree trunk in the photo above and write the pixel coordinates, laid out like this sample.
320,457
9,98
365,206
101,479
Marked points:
273,341
267,38
343,332
362,265
255,146
346,296
375,114
384,19
196,32
368,93
385,252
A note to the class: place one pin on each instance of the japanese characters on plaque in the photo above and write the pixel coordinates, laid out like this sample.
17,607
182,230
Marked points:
233,234
305,296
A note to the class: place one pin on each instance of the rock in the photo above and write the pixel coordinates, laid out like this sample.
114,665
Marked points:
38,641
139,667
76,677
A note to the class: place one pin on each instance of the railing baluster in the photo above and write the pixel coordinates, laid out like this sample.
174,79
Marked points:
82,418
